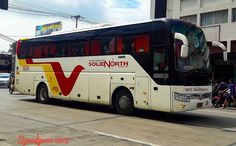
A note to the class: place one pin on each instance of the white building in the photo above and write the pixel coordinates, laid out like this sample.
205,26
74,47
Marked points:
217,18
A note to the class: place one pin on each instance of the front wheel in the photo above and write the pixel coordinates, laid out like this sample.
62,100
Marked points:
42,94
216,102
124,102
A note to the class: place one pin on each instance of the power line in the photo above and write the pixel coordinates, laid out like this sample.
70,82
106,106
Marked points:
18,6
36,7
7,38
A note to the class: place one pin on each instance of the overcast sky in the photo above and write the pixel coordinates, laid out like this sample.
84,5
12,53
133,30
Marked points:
113,11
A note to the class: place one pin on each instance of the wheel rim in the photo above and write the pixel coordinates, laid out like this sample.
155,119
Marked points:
124,102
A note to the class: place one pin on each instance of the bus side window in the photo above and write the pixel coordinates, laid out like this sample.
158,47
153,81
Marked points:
160,62
95,47
51,51
128,45
76,49
28,52
37,52
112,44
45,51
119,45
62,49
108,46
85,50
125,45
142,43
22,52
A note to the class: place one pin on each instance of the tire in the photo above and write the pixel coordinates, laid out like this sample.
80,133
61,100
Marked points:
11,90
42,94
216,102
124,102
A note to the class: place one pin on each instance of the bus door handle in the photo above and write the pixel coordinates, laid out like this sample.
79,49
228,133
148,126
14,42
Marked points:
155,88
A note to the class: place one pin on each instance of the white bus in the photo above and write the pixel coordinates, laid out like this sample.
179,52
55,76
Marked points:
160,65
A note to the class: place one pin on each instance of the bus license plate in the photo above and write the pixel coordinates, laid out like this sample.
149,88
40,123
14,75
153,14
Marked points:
199,105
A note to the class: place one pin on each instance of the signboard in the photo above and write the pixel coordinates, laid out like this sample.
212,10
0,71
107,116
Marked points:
48,28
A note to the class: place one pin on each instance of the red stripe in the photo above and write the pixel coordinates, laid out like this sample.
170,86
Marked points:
66,84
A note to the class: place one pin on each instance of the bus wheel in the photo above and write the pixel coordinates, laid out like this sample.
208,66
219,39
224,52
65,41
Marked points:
124,102
42,94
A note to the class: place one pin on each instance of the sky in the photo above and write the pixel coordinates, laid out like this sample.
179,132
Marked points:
18,25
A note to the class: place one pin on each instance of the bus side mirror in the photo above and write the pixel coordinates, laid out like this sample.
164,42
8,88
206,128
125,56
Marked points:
184,47
184,51
225,55
220,45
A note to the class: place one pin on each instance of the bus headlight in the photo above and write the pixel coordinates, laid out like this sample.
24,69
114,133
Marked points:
182,97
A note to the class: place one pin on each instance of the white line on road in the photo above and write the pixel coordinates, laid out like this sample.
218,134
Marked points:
125,138
232,129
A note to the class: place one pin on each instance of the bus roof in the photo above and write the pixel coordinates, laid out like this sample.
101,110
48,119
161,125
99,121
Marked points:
164,20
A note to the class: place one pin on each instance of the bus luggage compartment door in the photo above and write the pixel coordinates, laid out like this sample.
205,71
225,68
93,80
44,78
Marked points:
142,93
99,88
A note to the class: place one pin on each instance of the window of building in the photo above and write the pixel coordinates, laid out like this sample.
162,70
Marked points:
234,14
191,19
233,46
216,17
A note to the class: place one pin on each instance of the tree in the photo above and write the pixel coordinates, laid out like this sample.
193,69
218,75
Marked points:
12,49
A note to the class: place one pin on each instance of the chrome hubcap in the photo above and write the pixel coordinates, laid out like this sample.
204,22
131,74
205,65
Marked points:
124,102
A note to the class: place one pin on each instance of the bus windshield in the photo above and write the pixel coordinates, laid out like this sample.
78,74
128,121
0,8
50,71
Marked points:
198,53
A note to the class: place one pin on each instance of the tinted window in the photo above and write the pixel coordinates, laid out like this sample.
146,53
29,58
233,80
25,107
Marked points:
133,44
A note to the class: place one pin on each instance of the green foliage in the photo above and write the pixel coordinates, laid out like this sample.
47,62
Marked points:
12,49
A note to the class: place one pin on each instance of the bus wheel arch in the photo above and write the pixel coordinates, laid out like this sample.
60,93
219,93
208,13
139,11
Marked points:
123,101
42,93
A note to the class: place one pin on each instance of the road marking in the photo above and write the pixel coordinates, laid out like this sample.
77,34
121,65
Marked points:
232,129
125,138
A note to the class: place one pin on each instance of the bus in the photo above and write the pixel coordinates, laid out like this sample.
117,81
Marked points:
160,65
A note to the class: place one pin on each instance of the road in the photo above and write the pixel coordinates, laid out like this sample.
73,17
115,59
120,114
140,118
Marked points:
79,124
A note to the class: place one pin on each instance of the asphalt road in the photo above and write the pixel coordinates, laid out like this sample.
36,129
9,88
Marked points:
23,121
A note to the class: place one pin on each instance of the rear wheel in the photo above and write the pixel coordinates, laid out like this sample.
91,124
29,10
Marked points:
124,102
42,94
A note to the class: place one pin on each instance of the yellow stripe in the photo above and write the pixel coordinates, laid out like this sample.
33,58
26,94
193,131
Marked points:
50,75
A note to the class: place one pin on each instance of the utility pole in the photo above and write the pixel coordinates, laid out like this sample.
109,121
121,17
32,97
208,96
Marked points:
77,17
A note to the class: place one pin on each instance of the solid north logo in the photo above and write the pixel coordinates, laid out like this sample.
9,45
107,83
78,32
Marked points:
109,64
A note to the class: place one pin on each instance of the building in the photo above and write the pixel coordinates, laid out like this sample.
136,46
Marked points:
217,18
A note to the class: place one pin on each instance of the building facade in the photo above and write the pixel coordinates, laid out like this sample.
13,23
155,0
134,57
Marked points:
217,18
